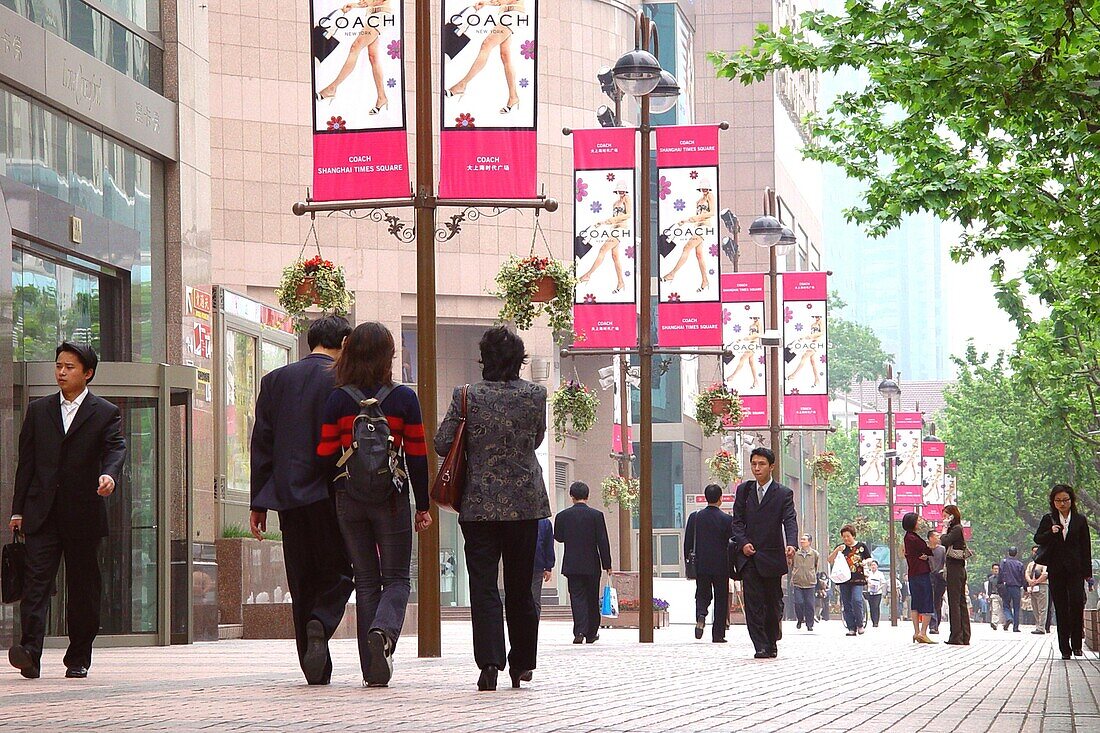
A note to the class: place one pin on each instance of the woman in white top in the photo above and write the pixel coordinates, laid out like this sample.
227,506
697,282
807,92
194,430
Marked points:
876,582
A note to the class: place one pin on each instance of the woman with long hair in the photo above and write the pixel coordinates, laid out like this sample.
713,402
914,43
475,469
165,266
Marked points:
953,539
917,555
368,38
499,38
1065,547
504,499
704,212
377,530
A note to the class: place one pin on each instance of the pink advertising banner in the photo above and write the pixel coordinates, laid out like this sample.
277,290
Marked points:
489,65
934,480
900,510
908,428
872,458
743,323
805,357
605,311
360,148
690,308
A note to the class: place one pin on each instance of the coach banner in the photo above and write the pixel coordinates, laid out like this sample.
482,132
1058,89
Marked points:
934,480
872,458
489,65
908,428
690,309
745,370
360,147
805,357
604,302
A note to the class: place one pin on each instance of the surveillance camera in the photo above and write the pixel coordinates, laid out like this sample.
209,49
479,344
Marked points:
607,371
771,338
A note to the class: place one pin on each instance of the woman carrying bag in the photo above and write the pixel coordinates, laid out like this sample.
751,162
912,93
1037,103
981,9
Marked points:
1065,547
957,552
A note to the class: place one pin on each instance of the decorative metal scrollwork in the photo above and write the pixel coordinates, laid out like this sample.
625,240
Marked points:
398,229
453,226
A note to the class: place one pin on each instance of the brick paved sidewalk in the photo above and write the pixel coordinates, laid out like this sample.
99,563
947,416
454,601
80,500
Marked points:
822,681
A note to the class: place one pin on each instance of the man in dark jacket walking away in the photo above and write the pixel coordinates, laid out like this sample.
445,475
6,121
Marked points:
583,531
707,538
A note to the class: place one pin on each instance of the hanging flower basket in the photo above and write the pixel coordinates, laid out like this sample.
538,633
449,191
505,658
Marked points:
535,286
825,465
574,409
621,491
313,282
724,467
717,409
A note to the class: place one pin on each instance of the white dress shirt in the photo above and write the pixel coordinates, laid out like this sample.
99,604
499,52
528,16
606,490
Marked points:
69,409
1065,522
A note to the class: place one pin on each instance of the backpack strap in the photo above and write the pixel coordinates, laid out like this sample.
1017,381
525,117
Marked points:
384,393
355,392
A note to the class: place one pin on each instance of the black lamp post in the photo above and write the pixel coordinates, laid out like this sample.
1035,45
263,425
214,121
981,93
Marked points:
889,389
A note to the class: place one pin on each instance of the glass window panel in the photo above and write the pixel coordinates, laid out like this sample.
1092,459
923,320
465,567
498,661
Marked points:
21,141
141,282
118,183
50,14
117,46
37,328
273,356
86,175
240,390
84,26
54,143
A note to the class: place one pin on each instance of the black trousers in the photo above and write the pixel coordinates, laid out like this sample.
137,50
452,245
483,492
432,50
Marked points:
718,587
939,588
83,584
318,573
956,603
763,607
584,602
1068,596
487,544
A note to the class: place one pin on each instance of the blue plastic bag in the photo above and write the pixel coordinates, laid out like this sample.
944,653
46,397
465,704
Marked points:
609,603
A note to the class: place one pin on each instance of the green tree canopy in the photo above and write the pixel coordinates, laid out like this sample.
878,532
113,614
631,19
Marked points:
855,351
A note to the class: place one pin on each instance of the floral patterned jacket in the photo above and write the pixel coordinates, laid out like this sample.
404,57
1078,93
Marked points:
505,423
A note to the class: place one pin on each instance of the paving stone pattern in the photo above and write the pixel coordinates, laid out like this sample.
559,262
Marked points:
822,681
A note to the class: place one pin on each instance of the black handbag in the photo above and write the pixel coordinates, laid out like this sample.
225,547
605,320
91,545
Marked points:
453,40
732,552
323,43
13,569
689,561
665,246
581,247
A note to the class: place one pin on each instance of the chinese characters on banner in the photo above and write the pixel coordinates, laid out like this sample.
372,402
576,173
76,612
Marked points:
359,141
872,458
487,139
689,308
907,465
745,372
934,481
805,359
604,302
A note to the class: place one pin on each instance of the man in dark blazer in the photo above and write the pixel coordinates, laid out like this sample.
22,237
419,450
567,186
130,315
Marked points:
765,530
71,455
583,531
544,561
288,477
707,537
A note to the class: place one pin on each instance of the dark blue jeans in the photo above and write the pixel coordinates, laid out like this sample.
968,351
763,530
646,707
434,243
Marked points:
379,542
804,605
1011,602
851,601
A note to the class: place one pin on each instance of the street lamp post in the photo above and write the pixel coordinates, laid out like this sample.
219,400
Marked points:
889,389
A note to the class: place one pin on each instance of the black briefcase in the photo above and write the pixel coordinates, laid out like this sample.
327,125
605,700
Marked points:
13,568
323,44
731,553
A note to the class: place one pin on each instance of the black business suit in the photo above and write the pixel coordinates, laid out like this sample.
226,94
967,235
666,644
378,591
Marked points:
583,531
707,534
288,477
1068,557
770,526
56,493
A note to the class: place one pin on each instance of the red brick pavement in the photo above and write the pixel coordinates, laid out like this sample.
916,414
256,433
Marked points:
822,681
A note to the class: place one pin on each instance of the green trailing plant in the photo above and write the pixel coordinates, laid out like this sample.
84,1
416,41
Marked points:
724,467
518,286
574,409
825,465
315,281
237,531
717,408
621,491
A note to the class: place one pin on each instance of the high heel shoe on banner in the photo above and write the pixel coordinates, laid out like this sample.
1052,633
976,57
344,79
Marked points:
488,679
376,110
453,95
508,108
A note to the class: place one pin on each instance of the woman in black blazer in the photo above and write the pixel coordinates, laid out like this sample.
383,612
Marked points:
953,539
1065,547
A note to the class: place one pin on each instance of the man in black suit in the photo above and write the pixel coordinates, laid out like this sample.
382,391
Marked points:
71,454
707,537
583,531
765,529
288,478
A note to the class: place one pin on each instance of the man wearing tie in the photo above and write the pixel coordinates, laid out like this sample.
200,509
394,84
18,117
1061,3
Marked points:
583,531
71,454
764,530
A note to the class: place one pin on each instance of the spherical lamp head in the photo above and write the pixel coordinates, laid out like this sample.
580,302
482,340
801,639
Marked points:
637,72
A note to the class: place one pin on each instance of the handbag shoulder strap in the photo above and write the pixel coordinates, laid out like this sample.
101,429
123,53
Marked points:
465,390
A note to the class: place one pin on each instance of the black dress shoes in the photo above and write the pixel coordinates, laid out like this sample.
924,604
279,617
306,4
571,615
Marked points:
1065,655
1078,653
22,660
593,640
76,673
488,679
520,675
578,639
766,654
719,641
315,659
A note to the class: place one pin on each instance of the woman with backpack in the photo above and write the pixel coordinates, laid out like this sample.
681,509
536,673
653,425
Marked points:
373,437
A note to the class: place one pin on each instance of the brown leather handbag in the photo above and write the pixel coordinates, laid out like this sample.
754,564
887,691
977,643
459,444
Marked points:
450,482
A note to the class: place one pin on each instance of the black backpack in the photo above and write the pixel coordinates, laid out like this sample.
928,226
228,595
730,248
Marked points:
374,469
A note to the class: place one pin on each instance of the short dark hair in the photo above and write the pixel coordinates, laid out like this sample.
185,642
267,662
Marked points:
909,521
1063,489
502,355
849,529
85,354
328,332
765,452
995,565
713,493
930,533
367,359
1013,552
579,490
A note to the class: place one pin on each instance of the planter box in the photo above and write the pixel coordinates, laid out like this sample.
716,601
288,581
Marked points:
629,620
249,571
1092,629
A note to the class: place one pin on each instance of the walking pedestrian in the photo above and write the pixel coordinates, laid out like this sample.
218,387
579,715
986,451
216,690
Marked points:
917,555
1036,576
876,583
583,531
938,565
374,515
957,551
804,581
504,498
707,537
1013,581
1066,549
544,562
289,478
851,592
765,528
994,591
